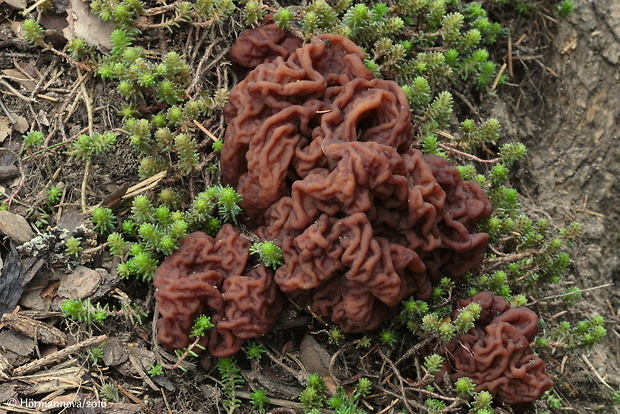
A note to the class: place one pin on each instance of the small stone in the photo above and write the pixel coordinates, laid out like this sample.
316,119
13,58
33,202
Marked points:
79,284
16,342
31,299
70,221
115,352
15,227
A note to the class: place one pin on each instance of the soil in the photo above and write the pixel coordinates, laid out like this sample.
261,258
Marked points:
561,99
567,112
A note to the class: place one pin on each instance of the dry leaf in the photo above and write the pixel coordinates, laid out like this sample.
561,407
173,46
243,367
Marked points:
21,124
5,128
29,68
18,76
16,4
16,27
54,22
85,25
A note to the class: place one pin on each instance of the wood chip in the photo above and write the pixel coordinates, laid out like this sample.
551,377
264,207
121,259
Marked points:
32,328
16,274
5,367
17,343
113,200
115,352
54,379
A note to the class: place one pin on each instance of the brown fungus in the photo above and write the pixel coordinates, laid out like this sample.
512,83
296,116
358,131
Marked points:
321,152
379,233
280,114
261,45
205,276
322,155
496,353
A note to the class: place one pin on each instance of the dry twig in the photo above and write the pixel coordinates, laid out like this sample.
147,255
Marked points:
466,155
87,164
58,356
569,294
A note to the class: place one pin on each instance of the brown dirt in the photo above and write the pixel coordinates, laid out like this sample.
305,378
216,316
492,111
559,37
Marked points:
567,111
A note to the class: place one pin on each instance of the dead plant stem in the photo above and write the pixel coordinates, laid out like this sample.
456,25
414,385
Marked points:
68,58
274,401
83,187
399,377
87,164
198,73
6,111
165,397
188,351
466,155
589,364
57,356
569,293
16,92
131,396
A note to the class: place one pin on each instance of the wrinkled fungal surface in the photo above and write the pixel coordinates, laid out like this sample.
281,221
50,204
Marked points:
322,153
206,276
496,353
261,45
280,114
